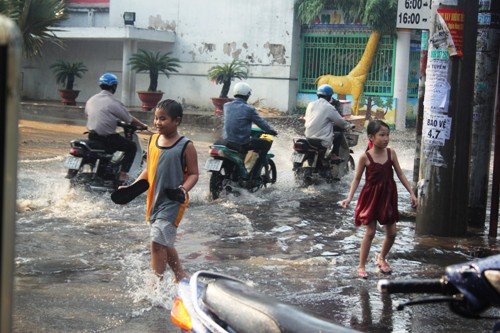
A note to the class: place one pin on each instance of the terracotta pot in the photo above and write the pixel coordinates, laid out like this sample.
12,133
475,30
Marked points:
149,99
219,103
68,96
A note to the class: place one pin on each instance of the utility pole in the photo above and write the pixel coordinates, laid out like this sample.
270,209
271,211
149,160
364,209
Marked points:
442,186
488,43
424,41
10,72
495,187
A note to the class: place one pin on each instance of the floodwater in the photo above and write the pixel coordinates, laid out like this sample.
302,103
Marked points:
82,263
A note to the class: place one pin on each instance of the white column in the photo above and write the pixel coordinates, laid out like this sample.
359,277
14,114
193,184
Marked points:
128,76
401,76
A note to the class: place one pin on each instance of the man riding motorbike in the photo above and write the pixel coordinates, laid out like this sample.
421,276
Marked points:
320,119
238,119
103,111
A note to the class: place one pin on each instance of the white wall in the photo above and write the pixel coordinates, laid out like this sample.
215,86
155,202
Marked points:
214,32
208,33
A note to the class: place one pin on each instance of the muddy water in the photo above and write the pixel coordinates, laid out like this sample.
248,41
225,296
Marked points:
82,263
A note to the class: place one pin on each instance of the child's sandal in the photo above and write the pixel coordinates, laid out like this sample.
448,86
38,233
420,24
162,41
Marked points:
362,273
383,265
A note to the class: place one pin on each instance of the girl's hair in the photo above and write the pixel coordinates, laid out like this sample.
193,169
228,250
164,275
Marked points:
374,126
171,107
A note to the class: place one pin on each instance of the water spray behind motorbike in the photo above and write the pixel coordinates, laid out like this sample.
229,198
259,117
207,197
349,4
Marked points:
92,166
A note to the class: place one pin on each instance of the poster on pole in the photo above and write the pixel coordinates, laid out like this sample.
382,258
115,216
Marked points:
454,21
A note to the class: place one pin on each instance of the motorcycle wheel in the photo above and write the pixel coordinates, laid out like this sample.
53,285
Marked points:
303,176
218,180
268,175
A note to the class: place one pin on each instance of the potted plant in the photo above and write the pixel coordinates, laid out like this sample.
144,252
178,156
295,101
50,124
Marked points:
224,74
153,63
65,73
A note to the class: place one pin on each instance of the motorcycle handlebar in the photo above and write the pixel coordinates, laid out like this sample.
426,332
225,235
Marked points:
435,286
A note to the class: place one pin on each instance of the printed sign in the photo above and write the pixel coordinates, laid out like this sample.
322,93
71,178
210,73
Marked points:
414,14
454,19
436,129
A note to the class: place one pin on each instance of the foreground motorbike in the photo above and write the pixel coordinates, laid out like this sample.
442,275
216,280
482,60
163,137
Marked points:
93,167
212,302
231,167
312,161
469,288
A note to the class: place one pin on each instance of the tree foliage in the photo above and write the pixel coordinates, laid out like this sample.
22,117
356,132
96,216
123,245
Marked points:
380,15
154,64
66,72
35,19
224,74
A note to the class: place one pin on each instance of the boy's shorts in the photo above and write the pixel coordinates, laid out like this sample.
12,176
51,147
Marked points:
163,232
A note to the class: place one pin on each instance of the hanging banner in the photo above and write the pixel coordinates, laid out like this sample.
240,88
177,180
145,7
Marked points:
454,19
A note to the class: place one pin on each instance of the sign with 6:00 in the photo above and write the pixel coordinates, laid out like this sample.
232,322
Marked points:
414,14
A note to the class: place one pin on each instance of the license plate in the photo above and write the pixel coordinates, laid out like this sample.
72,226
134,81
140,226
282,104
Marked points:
297,157
73,163
213,164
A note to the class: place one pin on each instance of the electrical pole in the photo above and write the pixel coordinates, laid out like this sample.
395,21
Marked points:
10,72
443,185
420,107
488,43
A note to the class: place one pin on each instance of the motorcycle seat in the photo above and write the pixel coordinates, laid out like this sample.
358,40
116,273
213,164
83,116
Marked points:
245,310
316,144
92,145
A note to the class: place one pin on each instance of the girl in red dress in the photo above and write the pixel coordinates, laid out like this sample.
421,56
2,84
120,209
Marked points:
378,200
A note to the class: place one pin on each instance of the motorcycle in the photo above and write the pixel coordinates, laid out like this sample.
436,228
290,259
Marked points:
311,160
212,302
469,288
230,166
97,169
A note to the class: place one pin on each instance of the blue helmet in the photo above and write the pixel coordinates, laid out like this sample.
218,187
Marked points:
108,79
324,90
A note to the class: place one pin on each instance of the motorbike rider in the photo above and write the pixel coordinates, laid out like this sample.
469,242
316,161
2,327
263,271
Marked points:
238,119
321,117
103,112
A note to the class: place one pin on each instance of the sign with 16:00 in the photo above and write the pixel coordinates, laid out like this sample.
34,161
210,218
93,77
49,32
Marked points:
414,14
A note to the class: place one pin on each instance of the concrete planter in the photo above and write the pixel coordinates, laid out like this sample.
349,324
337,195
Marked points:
68,96
219,102
149,99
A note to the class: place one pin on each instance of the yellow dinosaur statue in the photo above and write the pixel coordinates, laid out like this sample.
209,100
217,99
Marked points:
354,82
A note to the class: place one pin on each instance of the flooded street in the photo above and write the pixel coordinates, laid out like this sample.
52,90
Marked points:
82,262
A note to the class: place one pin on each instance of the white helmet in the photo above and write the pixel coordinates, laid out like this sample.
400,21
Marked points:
242,88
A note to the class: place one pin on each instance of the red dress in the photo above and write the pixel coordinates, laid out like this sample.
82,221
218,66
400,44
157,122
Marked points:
378,200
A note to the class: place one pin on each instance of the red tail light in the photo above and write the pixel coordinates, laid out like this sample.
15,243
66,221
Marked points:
76,152
299,146
214,152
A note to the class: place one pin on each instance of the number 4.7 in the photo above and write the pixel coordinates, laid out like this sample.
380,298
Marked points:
433,133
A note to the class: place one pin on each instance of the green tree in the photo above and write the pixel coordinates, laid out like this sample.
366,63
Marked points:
154,63
35,19
225,73
380,15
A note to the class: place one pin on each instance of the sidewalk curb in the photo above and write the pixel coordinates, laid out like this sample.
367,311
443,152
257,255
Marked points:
53,112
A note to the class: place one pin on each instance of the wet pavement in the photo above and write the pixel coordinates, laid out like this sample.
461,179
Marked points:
82,263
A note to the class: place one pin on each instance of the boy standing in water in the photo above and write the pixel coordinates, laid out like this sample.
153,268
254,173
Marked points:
172,171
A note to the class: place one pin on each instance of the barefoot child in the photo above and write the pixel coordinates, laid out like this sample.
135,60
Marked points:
378,200
172,171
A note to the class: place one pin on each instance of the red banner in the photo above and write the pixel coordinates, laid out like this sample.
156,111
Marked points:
454,19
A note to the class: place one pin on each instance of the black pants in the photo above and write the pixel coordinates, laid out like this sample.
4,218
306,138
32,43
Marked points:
260,146
116,142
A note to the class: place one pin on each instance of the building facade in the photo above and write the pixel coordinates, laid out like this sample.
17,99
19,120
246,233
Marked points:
200,33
